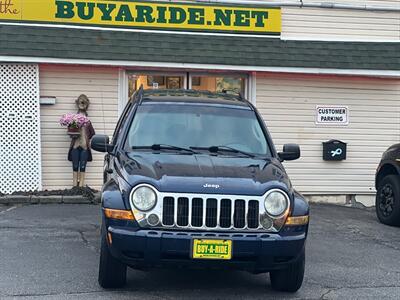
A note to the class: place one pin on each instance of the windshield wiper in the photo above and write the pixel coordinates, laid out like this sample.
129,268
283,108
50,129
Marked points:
158,147
216,149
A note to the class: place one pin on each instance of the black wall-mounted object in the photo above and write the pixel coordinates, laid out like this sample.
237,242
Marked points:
334,150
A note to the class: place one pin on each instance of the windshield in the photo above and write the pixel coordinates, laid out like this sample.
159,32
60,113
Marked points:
197,126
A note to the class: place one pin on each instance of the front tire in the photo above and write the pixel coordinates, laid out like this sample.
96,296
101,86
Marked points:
387,203
291,278
112,273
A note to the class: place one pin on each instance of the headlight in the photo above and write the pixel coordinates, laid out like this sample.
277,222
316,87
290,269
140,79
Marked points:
276,202
144,198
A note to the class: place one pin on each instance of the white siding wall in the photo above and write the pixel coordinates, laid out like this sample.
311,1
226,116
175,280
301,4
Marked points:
339,24
386,3
380,3
67,83
288,102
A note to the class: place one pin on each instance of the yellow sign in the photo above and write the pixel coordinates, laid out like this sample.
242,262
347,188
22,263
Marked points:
149,15
212,249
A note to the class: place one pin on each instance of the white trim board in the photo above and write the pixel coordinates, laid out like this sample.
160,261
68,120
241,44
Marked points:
344,40
193,66
188,32
252,83
282,36
122,90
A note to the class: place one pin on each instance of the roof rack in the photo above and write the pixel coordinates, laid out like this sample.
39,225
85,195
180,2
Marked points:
141,92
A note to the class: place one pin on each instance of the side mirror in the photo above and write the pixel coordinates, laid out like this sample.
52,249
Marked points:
290,152
101,143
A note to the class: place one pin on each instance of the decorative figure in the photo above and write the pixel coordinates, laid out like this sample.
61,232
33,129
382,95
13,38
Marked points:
81,131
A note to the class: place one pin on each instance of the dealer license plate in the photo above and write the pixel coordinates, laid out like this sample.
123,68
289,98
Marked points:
212,249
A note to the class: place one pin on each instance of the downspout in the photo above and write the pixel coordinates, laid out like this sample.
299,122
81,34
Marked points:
301,3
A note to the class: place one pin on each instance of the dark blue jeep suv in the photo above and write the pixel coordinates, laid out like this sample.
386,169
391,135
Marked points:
192,179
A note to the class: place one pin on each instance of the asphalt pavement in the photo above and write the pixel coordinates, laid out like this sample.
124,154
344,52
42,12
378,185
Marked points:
52,251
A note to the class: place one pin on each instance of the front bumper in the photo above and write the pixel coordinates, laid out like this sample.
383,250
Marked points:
254,252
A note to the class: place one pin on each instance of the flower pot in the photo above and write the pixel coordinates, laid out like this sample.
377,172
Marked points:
73,132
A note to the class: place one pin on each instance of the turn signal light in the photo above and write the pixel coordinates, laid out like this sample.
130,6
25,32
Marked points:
297,221
118,214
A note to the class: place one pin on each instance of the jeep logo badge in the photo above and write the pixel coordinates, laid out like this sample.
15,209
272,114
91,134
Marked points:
207,185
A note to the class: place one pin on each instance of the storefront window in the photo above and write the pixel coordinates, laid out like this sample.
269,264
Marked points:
228,84
231,84
155,81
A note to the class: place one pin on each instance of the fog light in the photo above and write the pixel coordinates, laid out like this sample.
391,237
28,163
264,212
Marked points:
153,220
266,222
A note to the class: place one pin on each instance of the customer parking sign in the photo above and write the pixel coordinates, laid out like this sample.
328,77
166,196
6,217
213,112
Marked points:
332,115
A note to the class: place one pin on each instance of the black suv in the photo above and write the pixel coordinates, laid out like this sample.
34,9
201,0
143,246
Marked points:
387,183
192,179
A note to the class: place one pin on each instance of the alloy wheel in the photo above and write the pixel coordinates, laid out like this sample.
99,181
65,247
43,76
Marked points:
386,200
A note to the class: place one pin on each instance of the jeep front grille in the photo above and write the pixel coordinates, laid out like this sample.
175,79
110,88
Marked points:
210,212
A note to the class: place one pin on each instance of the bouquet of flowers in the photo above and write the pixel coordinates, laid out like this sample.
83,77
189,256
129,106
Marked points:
74,122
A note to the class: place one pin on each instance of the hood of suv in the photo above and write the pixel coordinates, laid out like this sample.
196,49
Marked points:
203,173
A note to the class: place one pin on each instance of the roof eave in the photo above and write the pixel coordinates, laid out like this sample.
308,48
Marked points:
194,66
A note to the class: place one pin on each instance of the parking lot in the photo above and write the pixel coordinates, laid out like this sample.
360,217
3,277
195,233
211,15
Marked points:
51,252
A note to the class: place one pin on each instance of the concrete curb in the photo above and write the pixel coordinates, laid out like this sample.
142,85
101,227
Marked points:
51,199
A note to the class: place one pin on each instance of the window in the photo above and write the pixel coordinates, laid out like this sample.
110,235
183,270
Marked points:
228,83
156,81
197,126
220,83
